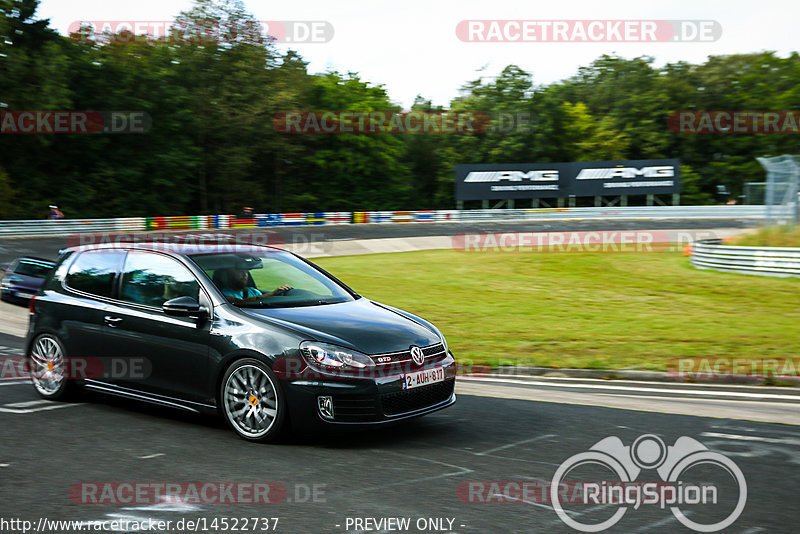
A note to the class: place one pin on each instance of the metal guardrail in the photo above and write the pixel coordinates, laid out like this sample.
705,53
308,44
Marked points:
764,261
643,212
31,228
70,226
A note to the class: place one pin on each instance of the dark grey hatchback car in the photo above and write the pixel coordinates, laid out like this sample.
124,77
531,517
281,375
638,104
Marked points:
255,333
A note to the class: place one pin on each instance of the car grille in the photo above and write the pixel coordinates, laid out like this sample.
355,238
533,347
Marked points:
433,353
402,402
352,409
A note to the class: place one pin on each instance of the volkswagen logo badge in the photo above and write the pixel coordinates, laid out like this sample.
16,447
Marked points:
417,355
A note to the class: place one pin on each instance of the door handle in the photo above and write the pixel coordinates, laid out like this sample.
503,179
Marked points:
112,321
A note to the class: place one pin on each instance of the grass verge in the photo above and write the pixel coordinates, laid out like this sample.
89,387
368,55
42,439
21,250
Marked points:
582,310
770,236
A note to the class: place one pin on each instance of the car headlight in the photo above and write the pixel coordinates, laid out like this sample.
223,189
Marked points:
441,336
331,356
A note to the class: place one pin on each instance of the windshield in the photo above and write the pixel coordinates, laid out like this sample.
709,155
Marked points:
269,280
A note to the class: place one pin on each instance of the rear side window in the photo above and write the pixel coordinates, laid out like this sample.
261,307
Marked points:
33,268
152,279
94,272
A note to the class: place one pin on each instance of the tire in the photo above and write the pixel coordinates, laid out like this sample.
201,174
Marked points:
251,400
49,369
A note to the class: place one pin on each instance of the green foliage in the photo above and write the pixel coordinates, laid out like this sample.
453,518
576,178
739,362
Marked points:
212,147
7,207
771,236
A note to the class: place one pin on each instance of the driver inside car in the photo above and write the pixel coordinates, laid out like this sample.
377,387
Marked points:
235,288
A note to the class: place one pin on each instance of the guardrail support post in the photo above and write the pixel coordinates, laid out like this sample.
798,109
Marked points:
623,200
598,202
676,199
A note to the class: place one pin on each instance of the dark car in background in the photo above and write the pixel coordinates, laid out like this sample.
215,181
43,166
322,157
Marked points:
304,349
22,278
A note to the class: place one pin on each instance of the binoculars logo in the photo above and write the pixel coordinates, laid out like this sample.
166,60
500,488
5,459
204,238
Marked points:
647,452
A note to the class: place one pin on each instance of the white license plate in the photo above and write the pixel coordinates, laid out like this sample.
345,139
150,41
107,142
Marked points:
423,378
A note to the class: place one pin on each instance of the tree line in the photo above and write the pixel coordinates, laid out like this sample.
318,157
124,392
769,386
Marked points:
212,146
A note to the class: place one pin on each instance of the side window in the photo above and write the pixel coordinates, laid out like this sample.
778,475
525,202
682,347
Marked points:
94,272
34,269
152,279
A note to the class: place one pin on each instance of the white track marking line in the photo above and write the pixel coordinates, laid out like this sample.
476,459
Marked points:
29,404
697,399
661,523
647,390
616,381
785,441
8,408
547,506
514,444
156,455
461,471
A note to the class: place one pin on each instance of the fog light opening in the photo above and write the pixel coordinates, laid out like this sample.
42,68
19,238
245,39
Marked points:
325,406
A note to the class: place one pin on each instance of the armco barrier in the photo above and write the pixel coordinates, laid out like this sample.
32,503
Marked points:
379,216
337,217
293,219
424,215
134,224
403,216
315,218
71,226
764,261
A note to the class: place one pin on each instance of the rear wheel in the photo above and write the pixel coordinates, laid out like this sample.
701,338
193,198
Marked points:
49,369
251,399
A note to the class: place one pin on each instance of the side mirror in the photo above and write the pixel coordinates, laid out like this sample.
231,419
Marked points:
184,307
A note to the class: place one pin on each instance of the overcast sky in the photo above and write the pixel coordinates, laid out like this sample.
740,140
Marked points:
411,47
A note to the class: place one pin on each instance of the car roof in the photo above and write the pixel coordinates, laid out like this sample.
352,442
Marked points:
186,249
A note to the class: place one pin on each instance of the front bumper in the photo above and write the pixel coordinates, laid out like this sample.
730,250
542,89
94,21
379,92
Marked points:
372,401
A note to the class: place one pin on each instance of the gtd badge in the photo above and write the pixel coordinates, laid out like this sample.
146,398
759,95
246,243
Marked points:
417,355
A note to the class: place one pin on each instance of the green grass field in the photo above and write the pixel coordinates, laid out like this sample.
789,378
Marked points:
586,310
770,236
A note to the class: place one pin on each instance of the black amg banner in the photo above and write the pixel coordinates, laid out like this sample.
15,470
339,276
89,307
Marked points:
580,179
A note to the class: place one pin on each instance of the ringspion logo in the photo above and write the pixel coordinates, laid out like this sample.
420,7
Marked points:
671,463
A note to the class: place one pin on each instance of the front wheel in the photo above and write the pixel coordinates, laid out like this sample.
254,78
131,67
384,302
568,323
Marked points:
252,401
49,369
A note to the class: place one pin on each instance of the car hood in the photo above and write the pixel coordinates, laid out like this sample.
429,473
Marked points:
361,324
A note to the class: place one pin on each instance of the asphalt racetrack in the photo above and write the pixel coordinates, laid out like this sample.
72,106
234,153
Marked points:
48,247
460,470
